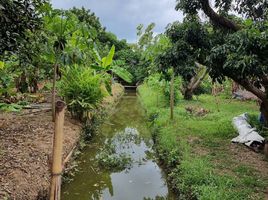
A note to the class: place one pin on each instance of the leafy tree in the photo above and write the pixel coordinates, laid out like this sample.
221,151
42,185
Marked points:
31,65
133,62
99,33
108,39
7,79
189,45
88,17
17,16
159,44
145,35
241,53
140,57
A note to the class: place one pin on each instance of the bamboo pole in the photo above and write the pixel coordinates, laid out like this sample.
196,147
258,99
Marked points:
57,151
172,96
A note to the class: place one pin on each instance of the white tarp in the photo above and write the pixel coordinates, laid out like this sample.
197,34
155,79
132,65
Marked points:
247,134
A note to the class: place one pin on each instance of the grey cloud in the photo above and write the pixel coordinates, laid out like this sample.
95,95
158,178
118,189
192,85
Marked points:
121,17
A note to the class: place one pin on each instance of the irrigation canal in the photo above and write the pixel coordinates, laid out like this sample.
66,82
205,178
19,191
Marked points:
128,132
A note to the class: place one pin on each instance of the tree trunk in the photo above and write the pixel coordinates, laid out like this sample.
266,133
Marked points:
22,84
194,83
264,111
54,92
218,19
259,93
188,94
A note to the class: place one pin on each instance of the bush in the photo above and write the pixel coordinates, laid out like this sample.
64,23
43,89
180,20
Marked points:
158,83
205,87
81,90
7,80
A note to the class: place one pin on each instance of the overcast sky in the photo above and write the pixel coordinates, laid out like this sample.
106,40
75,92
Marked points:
122,16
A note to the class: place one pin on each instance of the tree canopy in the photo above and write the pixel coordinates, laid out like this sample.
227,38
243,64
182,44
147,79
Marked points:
238,45
16,17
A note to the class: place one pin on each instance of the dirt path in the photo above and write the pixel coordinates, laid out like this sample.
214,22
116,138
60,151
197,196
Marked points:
25,149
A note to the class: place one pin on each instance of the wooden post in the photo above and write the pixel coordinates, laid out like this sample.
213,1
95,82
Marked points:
57,151
172,95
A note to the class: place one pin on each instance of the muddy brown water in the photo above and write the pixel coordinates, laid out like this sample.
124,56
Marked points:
142,180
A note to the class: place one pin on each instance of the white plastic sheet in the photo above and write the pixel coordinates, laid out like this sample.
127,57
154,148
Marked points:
247,134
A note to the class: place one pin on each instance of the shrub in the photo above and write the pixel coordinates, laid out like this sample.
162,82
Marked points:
159,84
81,90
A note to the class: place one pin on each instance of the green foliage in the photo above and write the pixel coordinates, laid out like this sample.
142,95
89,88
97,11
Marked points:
237,46
81,90
145,35
13,28
10,107
206,87
107,61
189,44
7,79
108,39
52,37
158,83
88,17
160,43
242,56
122,73
194,148
105,64
133,62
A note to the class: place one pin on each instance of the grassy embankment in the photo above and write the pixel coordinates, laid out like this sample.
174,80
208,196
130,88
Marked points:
197,152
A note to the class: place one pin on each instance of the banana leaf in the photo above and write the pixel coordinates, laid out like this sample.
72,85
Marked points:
122,73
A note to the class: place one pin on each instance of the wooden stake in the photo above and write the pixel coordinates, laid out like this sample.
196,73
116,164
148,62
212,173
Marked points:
57,151
172,96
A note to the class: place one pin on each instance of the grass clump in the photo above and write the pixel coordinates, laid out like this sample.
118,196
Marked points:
196,150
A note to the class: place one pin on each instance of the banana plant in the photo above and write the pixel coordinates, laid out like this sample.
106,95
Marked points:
106,64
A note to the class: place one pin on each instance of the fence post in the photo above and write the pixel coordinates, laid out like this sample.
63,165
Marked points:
56,168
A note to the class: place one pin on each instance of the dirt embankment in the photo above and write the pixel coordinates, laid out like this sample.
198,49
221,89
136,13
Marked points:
26,145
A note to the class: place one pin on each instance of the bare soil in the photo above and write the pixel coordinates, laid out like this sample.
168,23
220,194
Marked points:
26,146
25,150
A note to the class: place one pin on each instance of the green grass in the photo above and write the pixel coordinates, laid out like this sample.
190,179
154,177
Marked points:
196,149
